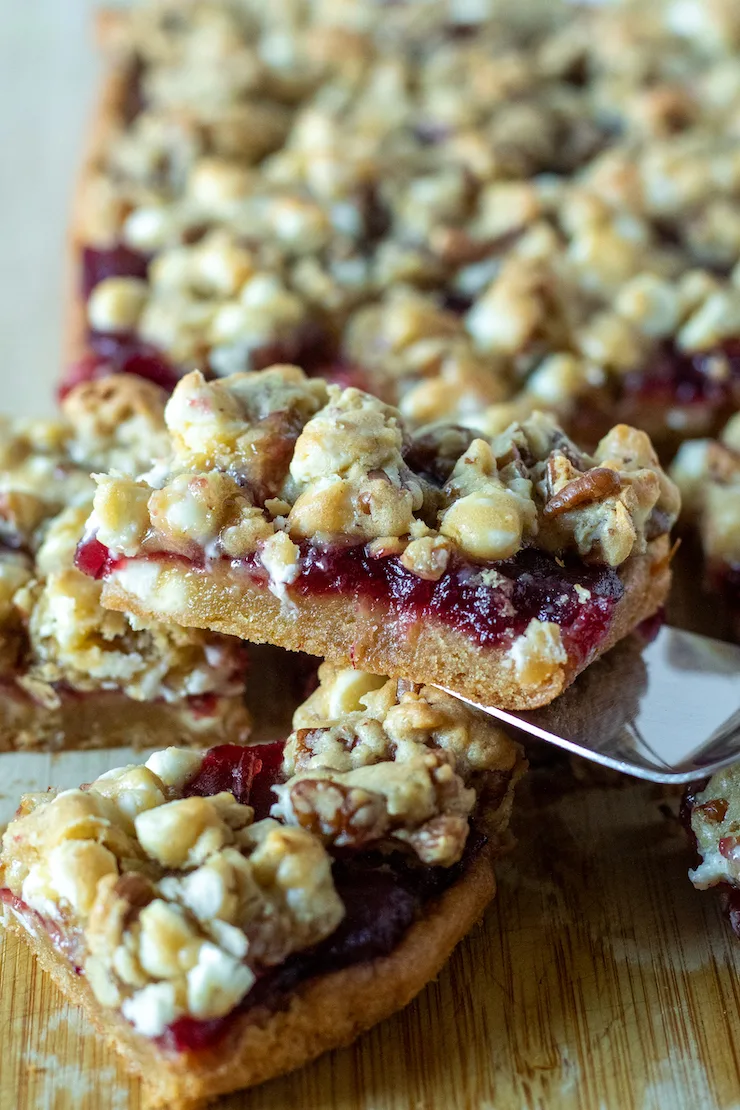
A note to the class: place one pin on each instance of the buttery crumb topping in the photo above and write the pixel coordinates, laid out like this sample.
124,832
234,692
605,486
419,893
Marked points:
375,761
715,822
708,474
172,903
487,208
263,461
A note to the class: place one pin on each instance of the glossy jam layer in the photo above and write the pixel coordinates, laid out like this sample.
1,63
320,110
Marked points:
489,605
120,354
119,261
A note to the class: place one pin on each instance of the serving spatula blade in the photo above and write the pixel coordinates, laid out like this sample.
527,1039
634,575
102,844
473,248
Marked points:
667,711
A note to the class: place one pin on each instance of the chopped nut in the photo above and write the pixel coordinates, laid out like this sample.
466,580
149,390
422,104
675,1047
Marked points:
342,815
594,485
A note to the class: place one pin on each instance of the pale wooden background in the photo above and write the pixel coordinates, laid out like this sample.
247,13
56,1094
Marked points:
48,71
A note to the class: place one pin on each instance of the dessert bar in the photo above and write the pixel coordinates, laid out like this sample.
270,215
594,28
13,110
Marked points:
74,674
226,916
473,211
308,516
708,474
711,814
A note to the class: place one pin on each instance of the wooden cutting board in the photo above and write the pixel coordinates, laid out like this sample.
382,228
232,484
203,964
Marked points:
598,980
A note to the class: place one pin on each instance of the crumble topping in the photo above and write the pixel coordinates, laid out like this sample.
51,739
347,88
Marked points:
173,900
340,471
478,206
715,822
375,761
173,904
708,475
116,423
537,653
73,640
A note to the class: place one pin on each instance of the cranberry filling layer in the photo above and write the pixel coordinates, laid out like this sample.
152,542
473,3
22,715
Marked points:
709,378
119,261
120,354
249,773
489,604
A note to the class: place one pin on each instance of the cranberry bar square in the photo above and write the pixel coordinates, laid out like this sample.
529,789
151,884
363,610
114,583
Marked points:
74,674
310,517
224,917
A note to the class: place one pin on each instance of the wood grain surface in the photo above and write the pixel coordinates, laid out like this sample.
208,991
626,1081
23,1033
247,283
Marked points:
598,980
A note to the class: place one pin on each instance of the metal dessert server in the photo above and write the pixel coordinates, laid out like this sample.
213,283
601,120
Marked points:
667,711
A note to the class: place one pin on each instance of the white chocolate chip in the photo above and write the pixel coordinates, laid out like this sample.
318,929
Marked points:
116,303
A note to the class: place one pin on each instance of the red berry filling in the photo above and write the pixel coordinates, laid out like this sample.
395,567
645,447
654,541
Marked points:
382,897
93,558
531,585
249,773
709,378
120,354
381,900
118,261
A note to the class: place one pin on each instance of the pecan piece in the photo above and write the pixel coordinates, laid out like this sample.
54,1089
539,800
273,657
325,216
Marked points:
137,892
440,841
595,485
345,816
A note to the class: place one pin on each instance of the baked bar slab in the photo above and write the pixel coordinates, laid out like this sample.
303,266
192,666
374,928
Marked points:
559,232
310,517
215,946
71,673
326,1013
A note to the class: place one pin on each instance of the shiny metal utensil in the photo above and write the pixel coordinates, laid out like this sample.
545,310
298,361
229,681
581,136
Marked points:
667,711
